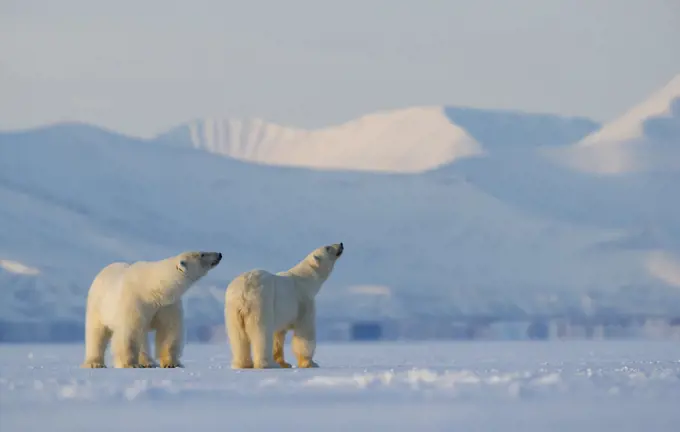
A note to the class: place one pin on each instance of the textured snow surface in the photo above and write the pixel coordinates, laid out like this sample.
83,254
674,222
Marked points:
556,386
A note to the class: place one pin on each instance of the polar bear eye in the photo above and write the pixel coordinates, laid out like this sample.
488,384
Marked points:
328,248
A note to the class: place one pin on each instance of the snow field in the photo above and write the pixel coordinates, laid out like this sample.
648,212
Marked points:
601,386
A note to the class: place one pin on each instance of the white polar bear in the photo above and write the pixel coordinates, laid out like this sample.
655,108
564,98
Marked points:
260,307
126,301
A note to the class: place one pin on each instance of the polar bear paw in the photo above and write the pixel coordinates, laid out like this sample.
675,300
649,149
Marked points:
242,365
307,363
146,362
93,365
266,365
171,364
129,366
284,365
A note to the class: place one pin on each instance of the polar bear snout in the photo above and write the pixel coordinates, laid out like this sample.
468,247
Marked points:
214,258
209,260
334,251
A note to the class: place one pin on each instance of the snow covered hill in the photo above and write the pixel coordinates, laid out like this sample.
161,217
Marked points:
392,141
399,141
644,139
439,218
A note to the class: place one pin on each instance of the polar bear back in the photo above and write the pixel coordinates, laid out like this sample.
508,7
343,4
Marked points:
121,286
254,292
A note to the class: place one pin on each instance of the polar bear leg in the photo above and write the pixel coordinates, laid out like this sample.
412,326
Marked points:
145,358
125,345
260,329
304,340
262,341
279,341
169,326
238,341
97,337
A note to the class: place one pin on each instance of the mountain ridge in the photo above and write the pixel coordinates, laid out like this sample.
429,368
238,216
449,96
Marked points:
409,140
643,139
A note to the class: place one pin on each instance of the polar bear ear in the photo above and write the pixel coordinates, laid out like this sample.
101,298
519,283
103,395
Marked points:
182,266
317,259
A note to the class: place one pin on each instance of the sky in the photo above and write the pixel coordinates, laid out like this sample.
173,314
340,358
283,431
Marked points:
143,66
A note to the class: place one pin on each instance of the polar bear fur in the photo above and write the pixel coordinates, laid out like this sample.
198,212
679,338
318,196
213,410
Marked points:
126,301
260,307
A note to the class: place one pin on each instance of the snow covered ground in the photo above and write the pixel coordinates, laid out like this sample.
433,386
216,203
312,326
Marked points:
515,386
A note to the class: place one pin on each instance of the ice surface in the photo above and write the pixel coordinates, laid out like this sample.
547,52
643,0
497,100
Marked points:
515,386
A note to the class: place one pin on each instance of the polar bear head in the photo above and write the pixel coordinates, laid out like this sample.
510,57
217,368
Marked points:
195,265
323,259
316,267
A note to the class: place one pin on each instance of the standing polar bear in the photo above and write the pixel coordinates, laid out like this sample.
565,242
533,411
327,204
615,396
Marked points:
260,307
126,301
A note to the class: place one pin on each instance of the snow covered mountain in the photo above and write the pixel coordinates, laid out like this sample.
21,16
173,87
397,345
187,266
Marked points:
400,141
444,212
644,139
349,146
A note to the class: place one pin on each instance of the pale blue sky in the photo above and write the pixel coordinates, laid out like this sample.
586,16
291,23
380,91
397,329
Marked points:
142,66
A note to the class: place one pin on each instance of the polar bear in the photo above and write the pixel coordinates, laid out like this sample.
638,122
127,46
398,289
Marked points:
260,307
126,301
